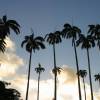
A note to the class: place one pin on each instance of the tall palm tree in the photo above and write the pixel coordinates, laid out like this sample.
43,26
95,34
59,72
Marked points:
32,43
82,74
86,43
97,78
39,70
73,33
54,38
6,25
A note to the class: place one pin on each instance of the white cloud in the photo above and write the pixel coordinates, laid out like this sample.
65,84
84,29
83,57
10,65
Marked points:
10,44
9,61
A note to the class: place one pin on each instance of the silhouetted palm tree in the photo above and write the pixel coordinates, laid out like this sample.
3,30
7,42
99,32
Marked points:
8,93
94,31
39,70
82,74
73,33
6,25
97,78
86,43
32,43
54,38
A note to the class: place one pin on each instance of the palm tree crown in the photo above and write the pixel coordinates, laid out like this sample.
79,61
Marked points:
97,77
82,73
39,69
34,43
70,32
85,41
6,25
56,70
53,38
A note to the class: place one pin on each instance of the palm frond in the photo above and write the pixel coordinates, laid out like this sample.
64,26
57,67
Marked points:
41,45
39,38
15,23
15,28
23,42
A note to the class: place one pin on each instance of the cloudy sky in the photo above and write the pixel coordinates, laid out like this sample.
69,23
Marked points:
47,16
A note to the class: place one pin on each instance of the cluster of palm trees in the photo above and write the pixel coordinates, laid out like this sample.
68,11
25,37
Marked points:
32,43
68,32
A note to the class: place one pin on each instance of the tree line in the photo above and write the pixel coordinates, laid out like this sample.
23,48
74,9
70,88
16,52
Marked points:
32,43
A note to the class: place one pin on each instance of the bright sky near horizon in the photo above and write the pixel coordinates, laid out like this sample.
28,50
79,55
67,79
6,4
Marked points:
47,16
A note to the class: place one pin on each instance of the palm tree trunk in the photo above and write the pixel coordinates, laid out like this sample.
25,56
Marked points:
90,74
84,88
38,86
55,75
79,88
28,75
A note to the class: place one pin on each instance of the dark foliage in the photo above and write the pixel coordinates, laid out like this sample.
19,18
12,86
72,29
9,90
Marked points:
8,93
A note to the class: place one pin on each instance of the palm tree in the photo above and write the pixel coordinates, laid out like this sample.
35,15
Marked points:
82,74
6,25
32,43
86,43
54,38
97,77
39,70
73,33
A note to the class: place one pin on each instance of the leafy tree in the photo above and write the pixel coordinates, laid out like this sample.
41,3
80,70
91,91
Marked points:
32,43
72,32
39,70
8,93
87,42
82,74
53,39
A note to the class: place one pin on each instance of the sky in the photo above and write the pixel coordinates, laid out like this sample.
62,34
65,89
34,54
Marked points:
43,17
